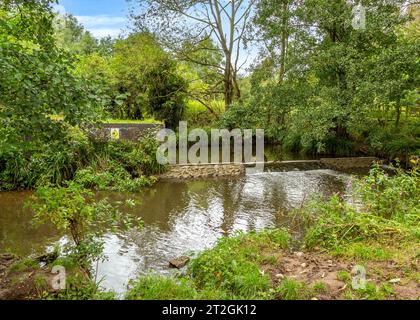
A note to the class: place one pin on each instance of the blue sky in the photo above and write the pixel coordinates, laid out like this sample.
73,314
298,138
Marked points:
110,17
100,17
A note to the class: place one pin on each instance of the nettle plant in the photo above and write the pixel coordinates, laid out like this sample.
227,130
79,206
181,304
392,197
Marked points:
73,210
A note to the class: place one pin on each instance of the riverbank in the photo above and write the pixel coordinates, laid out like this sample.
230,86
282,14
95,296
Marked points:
365,246
261,266
333,245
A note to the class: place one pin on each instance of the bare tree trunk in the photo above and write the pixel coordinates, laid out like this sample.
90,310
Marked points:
224,21
228,82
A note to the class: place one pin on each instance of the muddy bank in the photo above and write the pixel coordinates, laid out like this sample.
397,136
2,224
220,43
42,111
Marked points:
315,268
24,279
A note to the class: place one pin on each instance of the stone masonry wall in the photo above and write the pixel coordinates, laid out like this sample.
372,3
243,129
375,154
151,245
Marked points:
203,171
127,131
348,163
194,171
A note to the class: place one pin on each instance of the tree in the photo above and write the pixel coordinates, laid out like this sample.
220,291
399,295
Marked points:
36,81
196,20
40,95
166,93
73,209
346,74
71,35
200,66
144,73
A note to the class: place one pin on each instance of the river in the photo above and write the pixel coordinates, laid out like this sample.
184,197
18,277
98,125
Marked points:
180,217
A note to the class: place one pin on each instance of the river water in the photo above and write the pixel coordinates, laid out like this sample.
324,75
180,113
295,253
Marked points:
180,218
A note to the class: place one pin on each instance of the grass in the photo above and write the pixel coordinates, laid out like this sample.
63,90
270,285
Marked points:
231,270
382,230
239,267
144,121
364,252
290,289
162,288
24,265
371,292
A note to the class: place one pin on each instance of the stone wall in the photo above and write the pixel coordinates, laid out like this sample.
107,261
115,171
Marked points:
348,163
193,171
127,131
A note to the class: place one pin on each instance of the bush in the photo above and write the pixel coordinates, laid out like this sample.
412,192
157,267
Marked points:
384,209
198,116
392,142
53,162
73,209
231,267
240,116
107,165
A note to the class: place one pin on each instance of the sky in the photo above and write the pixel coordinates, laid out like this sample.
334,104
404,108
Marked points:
100,17
110,18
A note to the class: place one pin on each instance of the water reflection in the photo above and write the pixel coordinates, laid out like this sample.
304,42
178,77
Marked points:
180,217
183,217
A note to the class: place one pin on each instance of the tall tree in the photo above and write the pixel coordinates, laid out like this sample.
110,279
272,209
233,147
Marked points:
225,21
72,36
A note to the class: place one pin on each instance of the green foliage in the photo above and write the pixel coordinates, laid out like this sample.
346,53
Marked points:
231,270
100,165
79,287
393,142
199,116
290,289
42,100
364,252
388,211
161,288
391,197
166,93
73,209
322,86
37,82
239,116
53,162
70,35
24,265
231,267
116,178
140,79
371,292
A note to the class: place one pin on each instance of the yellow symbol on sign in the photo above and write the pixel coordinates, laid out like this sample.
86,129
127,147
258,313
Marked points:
115,133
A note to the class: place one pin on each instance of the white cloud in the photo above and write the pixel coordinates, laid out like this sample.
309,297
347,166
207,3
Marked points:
102,20
59,8
104,32
103,25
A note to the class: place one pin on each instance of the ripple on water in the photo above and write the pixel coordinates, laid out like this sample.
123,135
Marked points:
180,218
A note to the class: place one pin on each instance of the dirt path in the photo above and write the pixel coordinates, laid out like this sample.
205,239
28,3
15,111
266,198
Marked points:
311,268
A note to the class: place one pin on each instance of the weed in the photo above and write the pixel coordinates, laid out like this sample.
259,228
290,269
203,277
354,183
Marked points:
161,288
290,289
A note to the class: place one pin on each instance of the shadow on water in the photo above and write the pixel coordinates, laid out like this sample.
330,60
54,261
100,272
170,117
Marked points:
180,218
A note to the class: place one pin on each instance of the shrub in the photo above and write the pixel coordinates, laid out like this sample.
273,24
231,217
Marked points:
73,209
232,266
383,207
